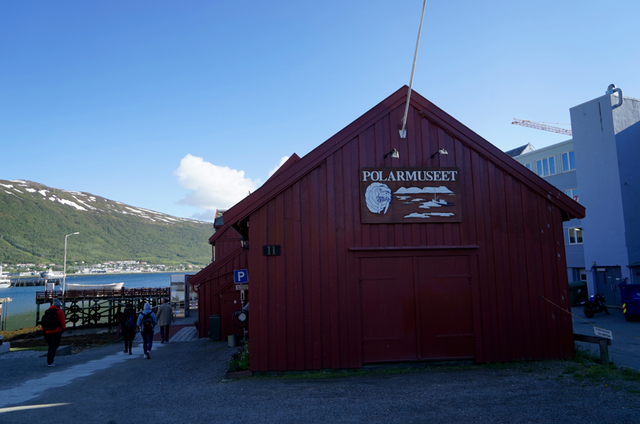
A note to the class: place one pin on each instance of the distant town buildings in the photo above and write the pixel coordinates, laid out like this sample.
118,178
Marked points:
111,267
599,169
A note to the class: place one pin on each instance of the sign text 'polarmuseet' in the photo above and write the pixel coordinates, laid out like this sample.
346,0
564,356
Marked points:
410,195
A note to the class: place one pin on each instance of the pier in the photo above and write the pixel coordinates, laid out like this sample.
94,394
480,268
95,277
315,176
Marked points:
91,307
3,317
32,282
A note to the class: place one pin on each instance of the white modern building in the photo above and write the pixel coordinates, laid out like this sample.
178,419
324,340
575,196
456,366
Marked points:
600,168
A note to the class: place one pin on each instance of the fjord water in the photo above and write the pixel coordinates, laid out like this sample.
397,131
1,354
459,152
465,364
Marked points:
21,311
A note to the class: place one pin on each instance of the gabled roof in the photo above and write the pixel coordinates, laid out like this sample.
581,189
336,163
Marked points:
204,274
284,179
223,232
292,159
218,222
527,148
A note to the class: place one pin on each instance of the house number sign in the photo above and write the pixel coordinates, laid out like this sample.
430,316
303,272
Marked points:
271,250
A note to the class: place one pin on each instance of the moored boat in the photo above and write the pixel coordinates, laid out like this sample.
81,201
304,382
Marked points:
84,287
51,274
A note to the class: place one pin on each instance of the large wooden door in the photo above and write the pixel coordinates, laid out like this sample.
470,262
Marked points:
445,311
389,316
416,308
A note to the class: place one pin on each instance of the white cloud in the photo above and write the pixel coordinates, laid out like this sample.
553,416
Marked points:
211,186
282,161
207,215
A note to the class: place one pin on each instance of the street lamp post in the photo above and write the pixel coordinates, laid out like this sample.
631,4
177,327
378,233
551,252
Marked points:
64,269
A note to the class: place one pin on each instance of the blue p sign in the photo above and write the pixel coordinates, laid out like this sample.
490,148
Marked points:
240,276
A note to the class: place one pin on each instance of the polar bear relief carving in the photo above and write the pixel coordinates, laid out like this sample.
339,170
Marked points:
378,197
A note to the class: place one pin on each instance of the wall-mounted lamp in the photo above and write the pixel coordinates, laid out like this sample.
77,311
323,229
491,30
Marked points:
393,153
441,151
244,243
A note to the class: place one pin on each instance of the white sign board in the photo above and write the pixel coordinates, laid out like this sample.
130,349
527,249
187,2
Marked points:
601,332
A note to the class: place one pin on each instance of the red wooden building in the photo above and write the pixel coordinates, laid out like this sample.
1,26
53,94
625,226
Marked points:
354,256
214,284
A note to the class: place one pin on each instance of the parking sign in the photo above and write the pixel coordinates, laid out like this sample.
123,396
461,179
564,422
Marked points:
240,276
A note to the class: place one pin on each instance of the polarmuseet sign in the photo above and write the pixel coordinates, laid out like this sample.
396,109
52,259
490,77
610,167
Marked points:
410,195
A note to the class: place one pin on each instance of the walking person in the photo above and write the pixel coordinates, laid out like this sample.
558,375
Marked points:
147,321
128,325
165,318
53,325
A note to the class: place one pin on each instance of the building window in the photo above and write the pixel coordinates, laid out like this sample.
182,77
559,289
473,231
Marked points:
575,235
568,161
573,193
545,167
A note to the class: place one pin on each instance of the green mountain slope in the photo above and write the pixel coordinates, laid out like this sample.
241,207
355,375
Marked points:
34,220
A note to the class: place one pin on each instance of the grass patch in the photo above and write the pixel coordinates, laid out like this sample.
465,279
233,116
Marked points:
587,370
371,370
32,339
36,348
322,374
583,370
23,333
630,375
584,356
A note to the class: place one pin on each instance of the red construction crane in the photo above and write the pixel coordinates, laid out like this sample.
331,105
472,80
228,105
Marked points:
541,126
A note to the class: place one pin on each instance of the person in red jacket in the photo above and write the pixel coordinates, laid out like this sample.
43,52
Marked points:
53,333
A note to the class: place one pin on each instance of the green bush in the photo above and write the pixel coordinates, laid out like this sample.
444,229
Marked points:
240,360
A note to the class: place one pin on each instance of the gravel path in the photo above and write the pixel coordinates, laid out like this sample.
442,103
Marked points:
184,383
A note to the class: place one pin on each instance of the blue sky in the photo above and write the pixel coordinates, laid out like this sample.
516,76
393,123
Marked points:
182,107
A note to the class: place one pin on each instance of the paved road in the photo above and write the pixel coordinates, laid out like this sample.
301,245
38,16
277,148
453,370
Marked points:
625,346
184,382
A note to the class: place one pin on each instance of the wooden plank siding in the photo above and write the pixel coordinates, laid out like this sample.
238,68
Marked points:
307,305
